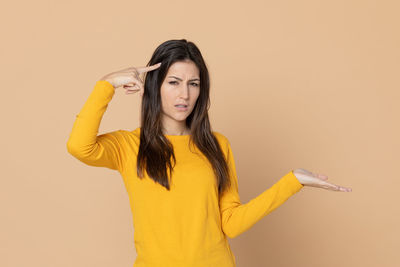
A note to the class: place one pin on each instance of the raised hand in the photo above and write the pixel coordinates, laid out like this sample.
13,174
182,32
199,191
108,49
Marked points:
129,78
317,180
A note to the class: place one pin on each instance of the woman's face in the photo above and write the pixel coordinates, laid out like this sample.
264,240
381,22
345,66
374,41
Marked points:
180,86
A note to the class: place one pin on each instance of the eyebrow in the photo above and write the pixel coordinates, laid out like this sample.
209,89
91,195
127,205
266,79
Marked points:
182,80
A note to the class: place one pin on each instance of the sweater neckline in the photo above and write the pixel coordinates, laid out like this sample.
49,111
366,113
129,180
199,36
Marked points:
172,137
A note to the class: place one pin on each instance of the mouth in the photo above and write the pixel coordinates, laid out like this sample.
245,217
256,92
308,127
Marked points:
181,107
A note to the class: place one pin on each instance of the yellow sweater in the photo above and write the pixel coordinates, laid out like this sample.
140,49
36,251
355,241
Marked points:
189,225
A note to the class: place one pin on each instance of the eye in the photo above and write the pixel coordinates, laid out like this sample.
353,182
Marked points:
172,82
195,84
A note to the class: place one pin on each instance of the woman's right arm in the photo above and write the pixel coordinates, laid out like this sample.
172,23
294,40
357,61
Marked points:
84,143
104,150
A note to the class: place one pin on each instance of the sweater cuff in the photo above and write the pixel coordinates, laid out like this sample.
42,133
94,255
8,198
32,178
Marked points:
105,84
294,182
103,90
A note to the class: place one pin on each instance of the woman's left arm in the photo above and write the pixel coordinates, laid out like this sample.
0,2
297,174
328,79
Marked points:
238,217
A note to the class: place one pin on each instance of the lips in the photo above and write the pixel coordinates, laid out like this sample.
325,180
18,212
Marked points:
181,107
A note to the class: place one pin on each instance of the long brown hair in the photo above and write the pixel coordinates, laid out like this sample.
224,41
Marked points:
155,150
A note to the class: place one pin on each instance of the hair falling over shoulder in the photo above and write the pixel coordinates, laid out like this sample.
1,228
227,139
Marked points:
156,153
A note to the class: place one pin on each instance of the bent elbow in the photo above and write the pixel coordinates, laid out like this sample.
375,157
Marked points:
70,147
231,233
76,150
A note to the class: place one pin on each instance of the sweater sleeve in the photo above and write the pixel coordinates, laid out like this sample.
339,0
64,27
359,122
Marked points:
84,143
236,217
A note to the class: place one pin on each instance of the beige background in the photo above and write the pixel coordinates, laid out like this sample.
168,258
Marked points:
294,84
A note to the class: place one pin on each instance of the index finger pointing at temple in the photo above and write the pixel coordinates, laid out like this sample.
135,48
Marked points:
149,68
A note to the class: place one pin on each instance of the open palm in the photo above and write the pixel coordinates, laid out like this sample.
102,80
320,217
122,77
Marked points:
308,178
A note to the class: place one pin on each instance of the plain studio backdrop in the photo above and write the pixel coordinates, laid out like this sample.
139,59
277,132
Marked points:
294,84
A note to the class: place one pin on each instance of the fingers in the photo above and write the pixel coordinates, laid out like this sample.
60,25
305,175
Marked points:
138,71
331,186
344,189
334,187
134,86
149,68
136,81
321,176
132,89
318,180
128,92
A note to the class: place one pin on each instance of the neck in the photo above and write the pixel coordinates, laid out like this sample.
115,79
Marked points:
174,127
181,130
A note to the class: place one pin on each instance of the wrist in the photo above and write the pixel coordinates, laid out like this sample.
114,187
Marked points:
109,81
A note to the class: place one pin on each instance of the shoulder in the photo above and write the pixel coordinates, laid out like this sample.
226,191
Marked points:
222,139
135,133
219,135
132,136
127,134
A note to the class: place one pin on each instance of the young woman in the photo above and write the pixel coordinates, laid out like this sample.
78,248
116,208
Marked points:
179,174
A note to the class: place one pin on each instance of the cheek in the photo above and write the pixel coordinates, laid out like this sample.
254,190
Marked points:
166,97
196,97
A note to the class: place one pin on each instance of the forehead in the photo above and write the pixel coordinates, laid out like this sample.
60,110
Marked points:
184,69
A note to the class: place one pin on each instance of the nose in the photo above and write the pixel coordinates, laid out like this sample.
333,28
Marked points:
184,92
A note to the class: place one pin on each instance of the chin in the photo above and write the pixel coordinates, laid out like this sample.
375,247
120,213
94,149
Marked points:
181,118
